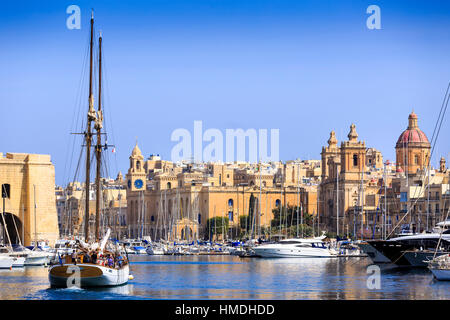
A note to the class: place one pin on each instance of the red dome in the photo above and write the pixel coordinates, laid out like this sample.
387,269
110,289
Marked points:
412,135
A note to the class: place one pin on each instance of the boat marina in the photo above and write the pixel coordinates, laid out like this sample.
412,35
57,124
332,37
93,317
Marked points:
357,207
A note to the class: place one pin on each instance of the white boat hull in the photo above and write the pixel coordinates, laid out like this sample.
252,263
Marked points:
90,275
293,253
18,262
154,251
6,262
36,260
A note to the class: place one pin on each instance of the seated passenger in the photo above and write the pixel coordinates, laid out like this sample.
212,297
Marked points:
94,257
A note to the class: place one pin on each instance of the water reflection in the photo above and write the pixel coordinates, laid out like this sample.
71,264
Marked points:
229,277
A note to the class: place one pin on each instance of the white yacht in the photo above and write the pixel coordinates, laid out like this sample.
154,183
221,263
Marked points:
6,262
17,259
296,248
153,250
134,247
35,257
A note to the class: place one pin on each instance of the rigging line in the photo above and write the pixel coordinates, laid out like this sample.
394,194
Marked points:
442,106
77,111
78,165
440,236
106,82
440,125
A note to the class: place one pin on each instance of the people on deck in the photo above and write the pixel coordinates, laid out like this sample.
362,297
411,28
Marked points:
110,261
74,257
94,257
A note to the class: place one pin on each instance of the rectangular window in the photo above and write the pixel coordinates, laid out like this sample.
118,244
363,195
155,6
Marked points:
355,160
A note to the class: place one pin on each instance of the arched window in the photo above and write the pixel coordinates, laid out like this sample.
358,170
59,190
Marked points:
277,203
230,209
153,218
138,165
416,159
264,184
169,185
199,218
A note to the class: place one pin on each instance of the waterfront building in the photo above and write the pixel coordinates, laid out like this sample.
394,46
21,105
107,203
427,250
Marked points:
349,184
112,212
355,179
30,211
176,200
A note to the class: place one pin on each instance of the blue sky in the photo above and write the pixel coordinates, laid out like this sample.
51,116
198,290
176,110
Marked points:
304,67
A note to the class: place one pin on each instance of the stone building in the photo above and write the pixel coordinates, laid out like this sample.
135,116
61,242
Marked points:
372,198
71,203
30,212
412,149
348,193
168,200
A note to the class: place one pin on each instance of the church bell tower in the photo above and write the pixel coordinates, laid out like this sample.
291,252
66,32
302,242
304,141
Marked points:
136,176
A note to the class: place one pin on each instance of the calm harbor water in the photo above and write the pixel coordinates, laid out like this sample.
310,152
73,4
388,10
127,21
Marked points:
230,277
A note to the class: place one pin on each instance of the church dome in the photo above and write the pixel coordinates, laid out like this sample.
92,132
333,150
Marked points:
412,134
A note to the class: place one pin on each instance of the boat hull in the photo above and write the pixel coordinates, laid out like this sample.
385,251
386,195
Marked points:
18,262
36,261
6,262
441,274
375,255
419,258
154,251
292,253
392,250
91,275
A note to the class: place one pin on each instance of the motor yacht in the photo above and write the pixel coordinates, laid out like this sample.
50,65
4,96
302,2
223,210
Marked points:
296,248
404,249
18,260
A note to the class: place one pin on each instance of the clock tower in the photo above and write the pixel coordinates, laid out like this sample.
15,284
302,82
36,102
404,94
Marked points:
136,176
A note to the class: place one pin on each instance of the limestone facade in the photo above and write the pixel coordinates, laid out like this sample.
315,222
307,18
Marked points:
33,201
172,196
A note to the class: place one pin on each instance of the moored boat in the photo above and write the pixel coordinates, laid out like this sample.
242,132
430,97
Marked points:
296,248
6,262
440,267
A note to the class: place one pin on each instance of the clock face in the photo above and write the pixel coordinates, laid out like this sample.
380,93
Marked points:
129,184
138,183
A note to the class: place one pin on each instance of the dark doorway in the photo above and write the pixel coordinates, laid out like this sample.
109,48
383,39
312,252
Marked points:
14,235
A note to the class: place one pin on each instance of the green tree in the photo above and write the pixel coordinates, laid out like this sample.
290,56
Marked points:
289,220
217,225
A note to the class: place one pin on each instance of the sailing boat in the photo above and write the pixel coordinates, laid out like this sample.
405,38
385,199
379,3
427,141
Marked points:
94,264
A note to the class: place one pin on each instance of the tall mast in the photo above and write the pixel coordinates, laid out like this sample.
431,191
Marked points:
337,201
98,147
88,136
